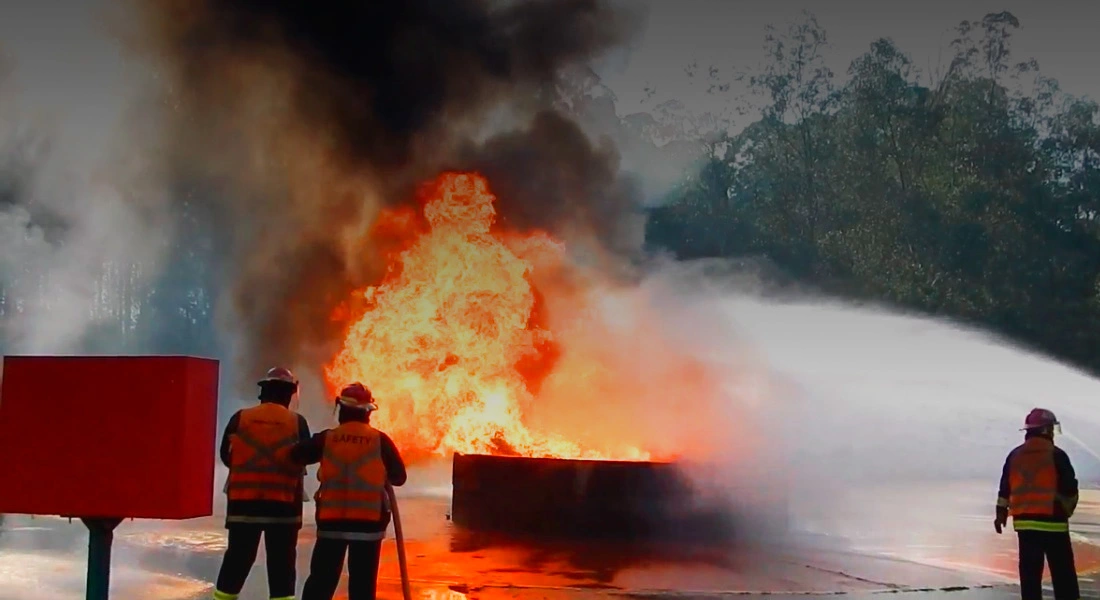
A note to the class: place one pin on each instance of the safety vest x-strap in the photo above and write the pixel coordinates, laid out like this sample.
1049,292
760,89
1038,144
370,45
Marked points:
261,469
1034,488
1032,493
351,488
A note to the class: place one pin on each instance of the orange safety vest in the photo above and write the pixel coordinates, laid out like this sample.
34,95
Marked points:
1033,480
352,475
260,466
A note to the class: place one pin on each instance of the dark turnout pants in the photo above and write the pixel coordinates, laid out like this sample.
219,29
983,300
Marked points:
1054,548
328,563
281,546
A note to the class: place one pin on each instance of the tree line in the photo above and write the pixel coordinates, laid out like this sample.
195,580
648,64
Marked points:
971,193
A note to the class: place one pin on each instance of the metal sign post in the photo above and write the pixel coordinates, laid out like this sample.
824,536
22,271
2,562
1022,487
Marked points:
101,534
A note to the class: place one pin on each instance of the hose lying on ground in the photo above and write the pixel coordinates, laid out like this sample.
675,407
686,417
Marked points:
401,558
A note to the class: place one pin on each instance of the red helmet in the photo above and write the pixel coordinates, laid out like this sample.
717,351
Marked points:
1039,418
281,374
358,396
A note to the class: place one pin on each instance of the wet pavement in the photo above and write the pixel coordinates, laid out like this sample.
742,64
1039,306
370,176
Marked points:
854,548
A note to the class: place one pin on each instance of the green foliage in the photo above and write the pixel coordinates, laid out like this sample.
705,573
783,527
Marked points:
974,195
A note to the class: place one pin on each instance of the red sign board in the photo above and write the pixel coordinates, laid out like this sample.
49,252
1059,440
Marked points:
108,436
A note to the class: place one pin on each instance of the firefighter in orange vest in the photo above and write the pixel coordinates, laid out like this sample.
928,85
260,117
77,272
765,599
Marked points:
357,461
264,489
1039,491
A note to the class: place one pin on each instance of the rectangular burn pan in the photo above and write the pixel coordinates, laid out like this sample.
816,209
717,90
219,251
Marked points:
551,497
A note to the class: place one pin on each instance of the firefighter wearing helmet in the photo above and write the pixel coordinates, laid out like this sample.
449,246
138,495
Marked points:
1039,491
264,489
356,463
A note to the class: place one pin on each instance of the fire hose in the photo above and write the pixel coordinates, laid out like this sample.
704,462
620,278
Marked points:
402,560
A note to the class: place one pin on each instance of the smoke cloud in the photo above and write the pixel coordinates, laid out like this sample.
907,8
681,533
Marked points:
561,180
69,218
306,120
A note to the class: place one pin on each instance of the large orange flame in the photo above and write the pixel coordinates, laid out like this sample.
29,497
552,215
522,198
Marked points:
455,343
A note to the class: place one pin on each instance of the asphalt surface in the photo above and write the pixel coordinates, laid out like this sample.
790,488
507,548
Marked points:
951,552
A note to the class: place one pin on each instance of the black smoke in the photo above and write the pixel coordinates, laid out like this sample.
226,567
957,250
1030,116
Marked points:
560,178
310,116
378,76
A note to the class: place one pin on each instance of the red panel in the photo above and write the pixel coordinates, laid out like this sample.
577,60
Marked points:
101,436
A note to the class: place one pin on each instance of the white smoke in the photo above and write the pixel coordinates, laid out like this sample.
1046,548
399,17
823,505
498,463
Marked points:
832,404
831,394
73,177
83,219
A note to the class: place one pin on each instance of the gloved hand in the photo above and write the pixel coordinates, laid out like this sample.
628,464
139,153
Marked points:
1000,520
998,525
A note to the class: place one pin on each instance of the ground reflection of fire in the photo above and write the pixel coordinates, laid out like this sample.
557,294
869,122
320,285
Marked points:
474,329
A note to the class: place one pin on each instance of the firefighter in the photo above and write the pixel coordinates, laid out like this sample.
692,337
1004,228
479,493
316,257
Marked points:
1039,491
264,490
357,461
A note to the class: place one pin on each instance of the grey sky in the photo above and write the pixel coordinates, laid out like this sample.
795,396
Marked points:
1060,34
70,71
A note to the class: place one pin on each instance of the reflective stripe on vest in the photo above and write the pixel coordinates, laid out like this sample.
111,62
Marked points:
263,520
1033,480
1050,526
352,536
259,456
352,475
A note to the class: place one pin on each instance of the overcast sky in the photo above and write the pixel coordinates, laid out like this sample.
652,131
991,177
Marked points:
1062,35
70,71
